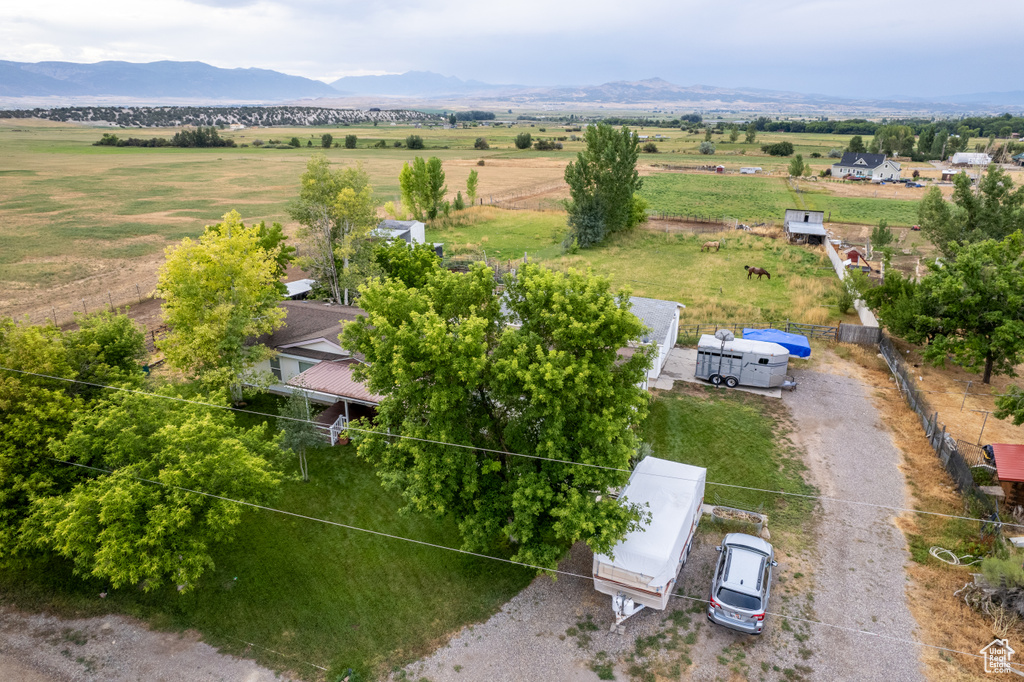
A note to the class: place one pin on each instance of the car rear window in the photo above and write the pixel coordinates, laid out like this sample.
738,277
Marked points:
738,599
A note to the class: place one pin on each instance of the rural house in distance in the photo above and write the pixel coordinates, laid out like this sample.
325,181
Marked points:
873,166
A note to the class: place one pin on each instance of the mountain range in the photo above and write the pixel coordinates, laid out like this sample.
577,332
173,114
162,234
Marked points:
197,81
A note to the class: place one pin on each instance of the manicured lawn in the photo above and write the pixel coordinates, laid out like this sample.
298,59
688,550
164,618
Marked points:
312,592
741,439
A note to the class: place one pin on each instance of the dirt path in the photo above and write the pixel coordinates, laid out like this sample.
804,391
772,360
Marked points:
42,648
860,579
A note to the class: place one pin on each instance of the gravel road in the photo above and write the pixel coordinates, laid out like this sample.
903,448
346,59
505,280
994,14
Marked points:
859,579
42,648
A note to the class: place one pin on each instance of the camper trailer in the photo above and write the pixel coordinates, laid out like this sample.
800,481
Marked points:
732,362
646,562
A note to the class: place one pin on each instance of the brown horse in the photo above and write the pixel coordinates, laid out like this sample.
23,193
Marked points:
756,271
710,245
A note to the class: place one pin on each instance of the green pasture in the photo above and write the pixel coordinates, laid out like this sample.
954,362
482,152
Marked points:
713,285
758,199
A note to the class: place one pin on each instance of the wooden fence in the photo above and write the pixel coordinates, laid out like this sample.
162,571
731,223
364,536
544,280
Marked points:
859,334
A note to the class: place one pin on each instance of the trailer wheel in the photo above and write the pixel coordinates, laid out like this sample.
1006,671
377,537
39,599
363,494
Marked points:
731,382
715,379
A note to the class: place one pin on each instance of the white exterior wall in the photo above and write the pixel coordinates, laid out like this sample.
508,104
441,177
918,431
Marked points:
418,232
289,368
886,171
664,346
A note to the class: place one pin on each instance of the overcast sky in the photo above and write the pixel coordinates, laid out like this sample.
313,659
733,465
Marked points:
868,48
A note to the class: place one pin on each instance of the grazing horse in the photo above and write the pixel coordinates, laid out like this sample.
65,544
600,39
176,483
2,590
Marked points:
710,245
756,271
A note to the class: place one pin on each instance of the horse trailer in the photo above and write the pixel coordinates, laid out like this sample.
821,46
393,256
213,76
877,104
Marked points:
642,569
733,362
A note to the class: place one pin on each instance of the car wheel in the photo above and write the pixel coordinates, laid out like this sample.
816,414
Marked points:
716,379
731,382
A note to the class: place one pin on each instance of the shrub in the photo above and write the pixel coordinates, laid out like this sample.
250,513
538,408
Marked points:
882,235
398,143
350,141
480,162
523,141
546,145
999,571
707,147
917,174
815,155
459,202
309,143
543,130
414,142
326,140
650,148
295,142
481,143
834,154
257,143
778,149
844,299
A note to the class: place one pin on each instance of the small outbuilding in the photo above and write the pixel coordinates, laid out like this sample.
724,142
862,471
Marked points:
662,318
1010,471
804,227
971,159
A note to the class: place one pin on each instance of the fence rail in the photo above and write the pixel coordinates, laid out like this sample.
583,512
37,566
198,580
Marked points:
65,313
812,331
956,459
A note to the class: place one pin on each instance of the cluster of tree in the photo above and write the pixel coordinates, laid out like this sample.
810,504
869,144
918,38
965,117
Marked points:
523,141
994,211
968,308
81,466
202,137
474,115
111,140
603,186
546,145
784,148
642,122
551,387
147,117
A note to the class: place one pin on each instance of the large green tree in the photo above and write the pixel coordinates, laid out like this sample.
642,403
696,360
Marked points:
116,527
969,309
603,184
411,264
546,380
219,293
993,212
423,188
35,410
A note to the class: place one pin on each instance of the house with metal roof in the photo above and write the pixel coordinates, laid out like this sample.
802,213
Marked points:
861,165
970,159
804,227
309,358
409,231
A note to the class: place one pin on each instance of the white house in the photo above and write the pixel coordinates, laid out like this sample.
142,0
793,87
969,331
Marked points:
662,319
970,159
874,166
309,358
410,231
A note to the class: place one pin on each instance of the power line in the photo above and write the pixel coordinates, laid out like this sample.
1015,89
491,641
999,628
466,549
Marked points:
901,510
501,559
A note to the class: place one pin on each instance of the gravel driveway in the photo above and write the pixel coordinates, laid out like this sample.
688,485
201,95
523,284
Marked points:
851,574
860,579
42,648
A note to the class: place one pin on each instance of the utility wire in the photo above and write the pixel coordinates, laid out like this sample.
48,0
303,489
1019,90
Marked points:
503,560
900,510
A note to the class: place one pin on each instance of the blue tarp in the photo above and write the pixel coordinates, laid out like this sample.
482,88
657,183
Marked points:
796,344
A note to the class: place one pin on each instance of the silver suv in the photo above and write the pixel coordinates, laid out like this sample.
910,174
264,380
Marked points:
742,583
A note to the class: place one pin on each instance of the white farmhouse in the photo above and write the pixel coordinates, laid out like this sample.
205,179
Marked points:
873,166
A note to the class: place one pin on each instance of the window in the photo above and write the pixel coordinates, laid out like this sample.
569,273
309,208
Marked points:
275,367
763,361
303,366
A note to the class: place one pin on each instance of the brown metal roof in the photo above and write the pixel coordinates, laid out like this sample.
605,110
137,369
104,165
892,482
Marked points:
334,378
1009,461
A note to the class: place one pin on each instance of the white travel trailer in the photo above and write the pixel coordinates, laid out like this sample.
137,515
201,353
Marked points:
643,568
733,361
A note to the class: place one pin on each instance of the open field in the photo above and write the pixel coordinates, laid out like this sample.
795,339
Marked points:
713,286
757,199
308,591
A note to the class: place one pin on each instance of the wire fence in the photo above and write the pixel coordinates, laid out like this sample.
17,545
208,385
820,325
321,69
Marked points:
65,312
956,462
